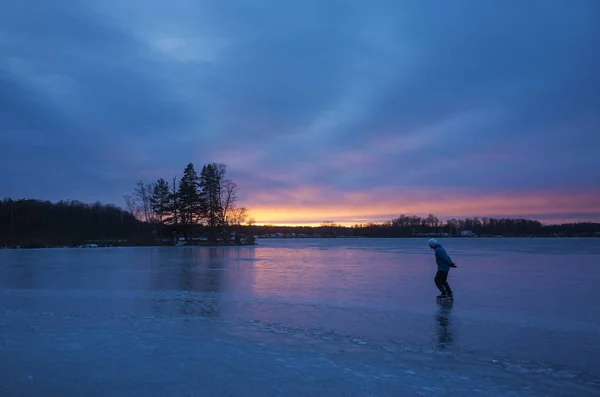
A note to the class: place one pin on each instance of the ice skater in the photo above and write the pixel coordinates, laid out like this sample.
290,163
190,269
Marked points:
444,263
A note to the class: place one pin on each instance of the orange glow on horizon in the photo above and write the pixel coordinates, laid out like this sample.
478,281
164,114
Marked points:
361,208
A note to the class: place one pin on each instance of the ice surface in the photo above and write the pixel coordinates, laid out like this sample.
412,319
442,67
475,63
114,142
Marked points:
334,317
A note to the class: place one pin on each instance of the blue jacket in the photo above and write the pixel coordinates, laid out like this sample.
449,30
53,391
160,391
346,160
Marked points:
442,258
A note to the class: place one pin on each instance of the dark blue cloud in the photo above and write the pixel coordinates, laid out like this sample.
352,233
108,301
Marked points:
462,96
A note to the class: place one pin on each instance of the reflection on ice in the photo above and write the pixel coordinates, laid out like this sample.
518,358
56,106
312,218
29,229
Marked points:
445,333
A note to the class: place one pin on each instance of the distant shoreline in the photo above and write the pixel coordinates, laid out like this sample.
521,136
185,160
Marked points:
30,223
205,244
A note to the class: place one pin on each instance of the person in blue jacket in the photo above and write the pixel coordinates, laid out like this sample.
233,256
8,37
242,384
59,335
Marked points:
444,263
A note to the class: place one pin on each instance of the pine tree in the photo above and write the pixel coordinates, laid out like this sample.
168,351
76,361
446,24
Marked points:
189,200
174,203
161,201
210,185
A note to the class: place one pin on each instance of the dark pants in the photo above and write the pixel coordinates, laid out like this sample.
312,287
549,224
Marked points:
442,283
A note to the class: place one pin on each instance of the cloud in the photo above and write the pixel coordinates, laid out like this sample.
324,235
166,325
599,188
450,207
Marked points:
481,100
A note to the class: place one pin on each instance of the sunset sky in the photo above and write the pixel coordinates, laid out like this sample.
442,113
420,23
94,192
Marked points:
350,111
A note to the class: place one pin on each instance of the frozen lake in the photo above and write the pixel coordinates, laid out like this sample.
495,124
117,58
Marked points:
323,317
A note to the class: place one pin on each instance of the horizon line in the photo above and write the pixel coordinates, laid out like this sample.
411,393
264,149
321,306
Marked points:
550,219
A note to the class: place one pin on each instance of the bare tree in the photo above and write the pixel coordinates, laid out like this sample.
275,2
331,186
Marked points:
229,214
132,205
134,208
143,194
238,216
228,197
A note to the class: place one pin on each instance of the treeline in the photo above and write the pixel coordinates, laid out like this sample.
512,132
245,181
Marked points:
36,223
406,225
415,226
202,204
481,226
205,205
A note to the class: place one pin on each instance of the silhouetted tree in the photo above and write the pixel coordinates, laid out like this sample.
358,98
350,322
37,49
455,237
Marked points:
142,194
189,201
227,199
134,209
210,185
238,216
174,209
160,203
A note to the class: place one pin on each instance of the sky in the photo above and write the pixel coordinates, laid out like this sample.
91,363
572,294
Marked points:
341,110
